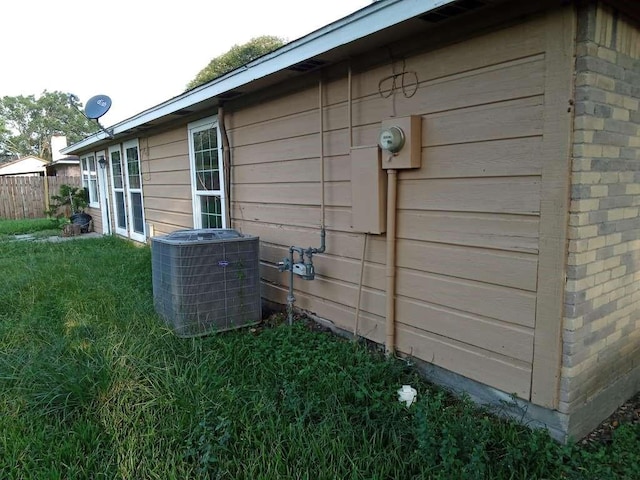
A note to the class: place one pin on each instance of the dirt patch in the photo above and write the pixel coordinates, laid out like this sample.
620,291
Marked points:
627,413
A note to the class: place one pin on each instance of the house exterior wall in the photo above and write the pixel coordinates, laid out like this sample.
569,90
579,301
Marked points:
601,340
67,170
515,270
472,246
96,218
482,225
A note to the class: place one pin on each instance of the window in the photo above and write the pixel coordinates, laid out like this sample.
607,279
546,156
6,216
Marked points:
207,176
90,179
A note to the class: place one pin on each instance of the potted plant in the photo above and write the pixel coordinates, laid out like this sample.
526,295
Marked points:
72,200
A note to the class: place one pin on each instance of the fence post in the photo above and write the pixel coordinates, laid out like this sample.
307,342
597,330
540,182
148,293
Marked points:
12,196
46,193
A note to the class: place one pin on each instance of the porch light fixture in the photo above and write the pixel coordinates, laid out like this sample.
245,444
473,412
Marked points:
102,162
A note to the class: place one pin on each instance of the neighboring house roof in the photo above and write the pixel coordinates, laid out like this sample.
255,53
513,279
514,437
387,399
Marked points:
24,166
68,160
63,164
371,27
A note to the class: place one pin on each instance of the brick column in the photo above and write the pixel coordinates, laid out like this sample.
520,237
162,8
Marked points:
601,338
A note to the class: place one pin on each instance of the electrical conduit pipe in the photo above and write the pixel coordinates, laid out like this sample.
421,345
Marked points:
392,185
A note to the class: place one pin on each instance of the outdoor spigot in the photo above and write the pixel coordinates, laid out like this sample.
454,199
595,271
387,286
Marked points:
284,265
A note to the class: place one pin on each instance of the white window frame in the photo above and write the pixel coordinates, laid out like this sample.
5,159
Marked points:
139,236
196,195
89,174
115,190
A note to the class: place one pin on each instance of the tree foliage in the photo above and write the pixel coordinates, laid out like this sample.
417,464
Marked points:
27,123
237,56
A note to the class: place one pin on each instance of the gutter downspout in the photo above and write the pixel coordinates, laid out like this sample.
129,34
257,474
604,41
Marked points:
392,184
226,165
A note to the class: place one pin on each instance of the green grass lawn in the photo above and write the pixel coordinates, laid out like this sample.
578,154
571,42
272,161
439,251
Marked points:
92,386
38,227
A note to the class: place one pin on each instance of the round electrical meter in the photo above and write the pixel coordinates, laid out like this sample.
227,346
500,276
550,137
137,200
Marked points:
391,139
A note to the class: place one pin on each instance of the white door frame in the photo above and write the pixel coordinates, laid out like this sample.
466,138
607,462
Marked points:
115,191
103,185
130,191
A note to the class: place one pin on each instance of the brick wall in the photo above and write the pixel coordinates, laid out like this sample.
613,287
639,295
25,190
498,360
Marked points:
601,338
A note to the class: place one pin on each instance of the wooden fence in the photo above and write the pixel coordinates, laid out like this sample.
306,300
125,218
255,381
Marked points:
24,197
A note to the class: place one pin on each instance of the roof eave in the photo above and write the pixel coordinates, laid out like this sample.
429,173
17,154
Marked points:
371,19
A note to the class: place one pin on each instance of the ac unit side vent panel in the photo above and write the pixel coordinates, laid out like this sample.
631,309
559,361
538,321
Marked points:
206,281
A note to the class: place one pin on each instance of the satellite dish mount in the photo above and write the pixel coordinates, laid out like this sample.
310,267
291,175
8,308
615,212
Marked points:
95,108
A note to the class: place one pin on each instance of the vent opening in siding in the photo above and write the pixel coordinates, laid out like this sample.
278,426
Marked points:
229,94
452,10
307,65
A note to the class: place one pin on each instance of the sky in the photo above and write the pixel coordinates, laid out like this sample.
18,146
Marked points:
138,52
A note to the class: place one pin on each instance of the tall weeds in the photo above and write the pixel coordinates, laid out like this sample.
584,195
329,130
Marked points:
92,385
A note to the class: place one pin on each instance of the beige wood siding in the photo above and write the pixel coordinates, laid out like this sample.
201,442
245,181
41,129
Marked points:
554,208
468,220
166,181
96,217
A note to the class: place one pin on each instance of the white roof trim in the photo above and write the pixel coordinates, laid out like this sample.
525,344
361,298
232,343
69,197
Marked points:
66,161
366,21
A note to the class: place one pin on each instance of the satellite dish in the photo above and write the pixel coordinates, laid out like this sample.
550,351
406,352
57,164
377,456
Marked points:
97,106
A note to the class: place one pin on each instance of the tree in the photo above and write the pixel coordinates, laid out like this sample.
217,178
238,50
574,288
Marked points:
27,123
237,56
4,132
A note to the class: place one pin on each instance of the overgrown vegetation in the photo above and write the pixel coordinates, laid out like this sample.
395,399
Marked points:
93,386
